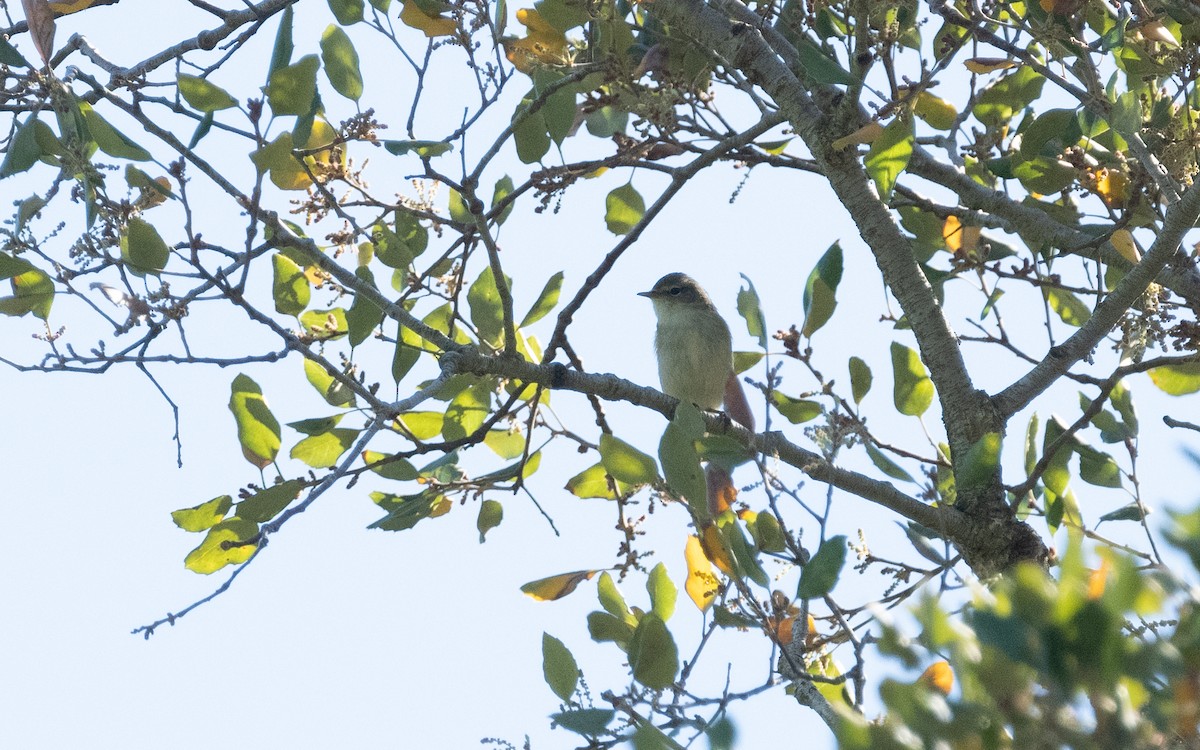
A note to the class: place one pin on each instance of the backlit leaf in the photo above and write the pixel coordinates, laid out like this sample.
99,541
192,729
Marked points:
323,451
334,391
594,482
545,301
1177,380
978,466
341,63
424,149
432,24
889,155
702,584
290,287
821,288
486,307
662,592
1069,308
364,315
223,546
325,325
885,464
624,208
389,466
203,95
258,430
143,248
680,459
589,722
292,89
110,140
913,390
491,513
347,12
796,410
860,379
626,463
204,516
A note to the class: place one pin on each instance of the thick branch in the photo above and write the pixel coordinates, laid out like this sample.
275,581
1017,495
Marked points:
744,47
1035,226
1179,219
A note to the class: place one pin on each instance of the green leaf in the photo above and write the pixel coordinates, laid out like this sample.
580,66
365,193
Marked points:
589,722
348,12
1044,174
593,482
258,430
624,208
750,309
860,379
681,461
558,666
203,95
406,511
1130,512
364,315
290,287
204,516
281,53
10,56
24,150
223,546
467,411
143,249
506,444
913,390
796,410
423,424
1097,467
1057,475
743,361
889,155
341,62
603,627
504,187
819,66
325,325
491,513
423,149
1177,380
821,573
821,288
264,505
323,451
529,132
662,592
545,301
33,290
389,466
331,389
316,425
979,464
611,599
653,654
110,140
486,307
885,464
626,463
745,559
997,104
292,89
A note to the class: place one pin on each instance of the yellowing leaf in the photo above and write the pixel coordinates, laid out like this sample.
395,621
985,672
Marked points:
204,516
1112,187
542,44
960,239
913,391
702,584
556,587
433,25
938,676
1098,579
1177,380
65,7
716,550
935,111
981,65
1122,240
866,134
258,430
227,543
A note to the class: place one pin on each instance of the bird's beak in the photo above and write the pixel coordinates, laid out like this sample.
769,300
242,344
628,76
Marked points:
649,294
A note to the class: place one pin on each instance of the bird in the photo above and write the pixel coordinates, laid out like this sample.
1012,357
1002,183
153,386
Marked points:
694,349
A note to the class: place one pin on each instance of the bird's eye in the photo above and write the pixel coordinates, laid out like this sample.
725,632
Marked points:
675,291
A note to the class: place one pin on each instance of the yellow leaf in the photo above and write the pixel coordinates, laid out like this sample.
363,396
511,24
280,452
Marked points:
1097,579
962,240
715,549
702,583
866,134
989,64
542,44
1122,240
412,15
938,676
938,112
556,587
1112,187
